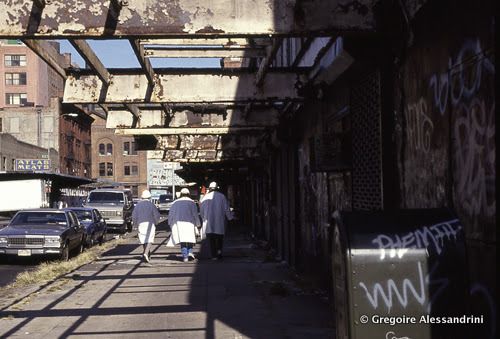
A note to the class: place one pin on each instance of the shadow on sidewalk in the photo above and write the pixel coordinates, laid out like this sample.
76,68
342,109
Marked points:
118,295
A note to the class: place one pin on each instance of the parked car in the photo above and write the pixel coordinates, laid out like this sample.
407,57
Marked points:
164,203
42,232
115,206
94,225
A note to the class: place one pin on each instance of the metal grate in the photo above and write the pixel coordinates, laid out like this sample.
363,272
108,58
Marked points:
25,241
366,144
109,213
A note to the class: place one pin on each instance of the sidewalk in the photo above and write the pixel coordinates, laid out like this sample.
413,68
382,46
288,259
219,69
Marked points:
241,296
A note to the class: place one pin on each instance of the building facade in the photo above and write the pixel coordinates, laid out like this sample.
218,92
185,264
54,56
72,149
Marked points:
25,79
116,159
10,148
31,109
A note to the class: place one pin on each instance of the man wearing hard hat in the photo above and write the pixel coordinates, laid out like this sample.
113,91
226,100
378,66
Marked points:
215,212
183,219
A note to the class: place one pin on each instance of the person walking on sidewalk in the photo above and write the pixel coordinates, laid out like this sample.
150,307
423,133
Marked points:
215,212
145,217
183,219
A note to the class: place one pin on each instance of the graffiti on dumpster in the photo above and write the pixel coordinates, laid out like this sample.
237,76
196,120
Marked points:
427,236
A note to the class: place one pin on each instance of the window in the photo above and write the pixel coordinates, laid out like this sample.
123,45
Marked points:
1,126
109,169
105,169
102,169
130,169
15,60
15,78
105,149
16,98
129,148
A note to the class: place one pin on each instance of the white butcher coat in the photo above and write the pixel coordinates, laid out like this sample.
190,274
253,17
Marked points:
214,211
183,218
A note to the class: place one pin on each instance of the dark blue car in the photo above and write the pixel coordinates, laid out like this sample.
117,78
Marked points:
94,224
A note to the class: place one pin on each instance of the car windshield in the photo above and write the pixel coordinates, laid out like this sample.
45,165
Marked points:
38,218
83,215
165,198
106,197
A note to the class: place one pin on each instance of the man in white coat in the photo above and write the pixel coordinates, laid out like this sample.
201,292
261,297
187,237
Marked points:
183,218
215,212
145,217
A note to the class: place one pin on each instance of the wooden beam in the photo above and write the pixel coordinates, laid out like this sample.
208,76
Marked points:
186,131
177,52
264,65
91,59
184,18
181,88
47,53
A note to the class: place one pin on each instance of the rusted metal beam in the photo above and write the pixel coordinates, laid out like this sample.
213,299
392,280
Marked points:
143,61
182,18
227,42
176,52
303,49
264,65
232,117
133,109
91,59
171,88
186,131
47,53
208,142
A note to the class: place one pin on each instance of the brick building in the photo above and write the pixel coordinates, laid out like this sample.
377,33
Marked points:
115,158
31,109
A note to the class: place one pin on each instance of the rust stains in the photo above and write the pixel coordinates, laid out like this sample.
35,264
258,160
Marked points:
210,30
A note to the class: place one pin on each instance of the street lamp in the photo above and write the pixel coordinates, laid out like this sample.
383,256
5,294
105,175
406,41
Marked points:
73,115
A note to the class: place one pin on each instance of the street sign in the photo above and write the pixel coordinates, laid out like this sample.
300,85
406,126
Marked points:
32,165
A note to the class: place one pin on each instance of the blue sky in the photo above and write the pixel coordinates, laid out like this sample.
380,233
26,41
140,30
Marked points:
119,54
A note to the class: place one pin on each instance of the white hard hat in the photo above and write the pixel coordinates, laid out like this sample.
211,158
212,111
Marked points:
146,194
213,184
185,191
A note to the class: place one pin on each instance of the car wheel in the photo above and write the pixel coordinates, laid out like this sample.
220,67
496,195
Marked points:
64,255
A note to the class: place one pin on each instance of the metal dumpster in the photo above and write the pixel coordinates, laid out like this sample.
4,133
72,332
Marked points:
400,274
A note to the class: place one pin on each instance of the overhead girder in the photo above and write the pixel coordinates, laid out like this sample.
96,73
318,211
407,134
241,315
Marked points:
181,18
226,42
170,88
190,52
208,142
188,130
211,155
229,117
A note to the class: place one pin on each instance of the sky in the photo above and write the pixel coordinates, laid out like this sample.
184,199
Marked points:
119,54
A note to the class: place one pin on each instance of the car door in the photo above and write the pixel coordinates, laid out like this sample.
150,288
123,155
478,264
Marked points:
98,222
75,231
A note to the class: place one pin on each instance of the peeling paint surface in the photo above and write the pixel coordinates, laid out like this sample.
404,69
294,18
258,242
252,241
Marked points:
153,17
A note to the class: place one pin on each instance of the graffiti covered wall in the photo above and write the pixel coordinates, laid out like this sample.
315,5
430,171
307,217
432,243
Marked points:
445,109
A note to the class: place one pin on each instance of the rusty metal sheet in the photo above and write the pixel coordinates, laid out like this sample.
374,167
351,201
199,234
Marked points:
139,18
172,88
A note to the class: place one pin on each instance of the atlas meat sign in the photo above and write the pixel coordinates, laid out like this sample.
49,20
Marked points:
32,165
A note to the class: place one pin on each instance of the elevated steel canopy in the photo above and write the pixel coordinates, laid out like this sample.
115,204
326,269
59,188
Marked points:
212,86
194,115
180,18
